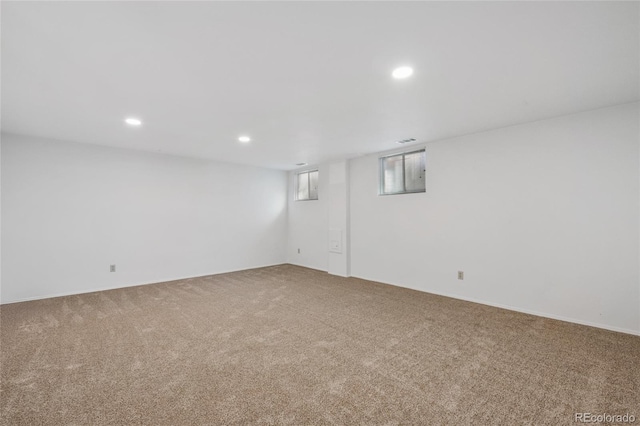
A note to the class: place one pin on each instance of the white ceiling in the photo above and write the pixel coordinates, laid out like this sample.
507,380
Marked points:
310,82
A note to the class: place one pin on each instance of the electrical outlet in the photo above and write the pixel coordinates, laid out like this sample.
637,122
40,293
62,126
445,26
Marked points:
298,251
112,268
461,275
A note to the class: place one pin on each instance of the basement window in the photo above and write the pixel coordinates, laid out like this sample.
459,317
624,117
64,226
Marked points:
403,173
307,185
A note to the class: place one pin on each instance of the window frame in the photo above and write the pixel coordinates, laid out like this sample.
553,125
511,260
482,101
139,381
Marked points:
297,180
404,174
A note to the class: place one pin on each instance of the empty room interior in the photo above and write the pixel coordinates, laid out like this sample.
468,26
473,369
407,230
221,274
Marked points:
320,213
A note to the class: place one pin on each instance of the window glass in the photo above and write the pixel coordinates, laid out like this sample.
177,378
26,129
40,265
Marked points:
403,173
414,171
393,178
307,185
313,185
303,186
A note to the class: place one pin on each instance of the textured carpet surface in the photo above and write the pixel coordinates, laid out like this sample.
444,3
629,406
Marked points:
289,345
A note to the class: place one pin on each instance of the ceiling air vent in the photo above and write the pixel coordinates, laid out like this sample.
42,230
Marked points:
403,141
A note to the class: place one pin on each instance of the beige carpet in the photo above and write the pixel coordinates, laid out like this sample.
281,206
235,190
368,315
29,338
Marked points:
289,345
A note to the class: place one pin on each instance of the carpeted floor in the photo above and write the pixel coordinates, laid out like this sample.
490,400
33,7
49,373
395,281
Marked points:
289,345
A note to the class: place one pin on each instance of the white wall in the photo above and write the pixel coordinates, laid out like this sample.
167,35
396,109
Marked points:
541,217
70,210
311,222
308,224
338,194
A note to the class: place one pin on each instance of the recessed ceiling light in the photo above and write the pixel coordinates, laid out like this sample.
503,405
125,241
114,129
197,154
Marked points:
301,164
244,139
402,72
131,121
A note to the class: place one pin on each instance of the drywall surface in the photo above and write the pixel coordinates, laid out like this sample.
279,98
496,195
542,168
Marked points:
71,210
541,217
308,224
338,243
